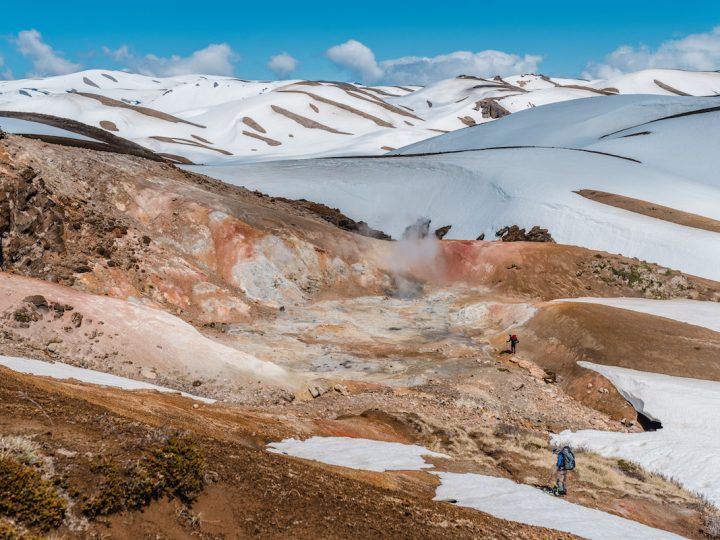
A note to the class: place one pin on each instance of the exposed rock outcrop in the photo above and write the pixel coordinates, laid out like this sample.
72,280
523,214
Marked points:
442,231
31,223
490,108
513,233
121,226
334,216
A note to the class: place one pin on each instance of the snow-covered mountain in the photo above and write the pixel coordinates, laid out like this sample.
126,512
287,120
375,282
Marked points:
635,175
209,119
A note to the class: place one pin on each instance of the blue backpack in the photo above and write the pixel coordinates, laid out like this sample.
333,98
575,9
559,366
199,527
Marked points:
568,458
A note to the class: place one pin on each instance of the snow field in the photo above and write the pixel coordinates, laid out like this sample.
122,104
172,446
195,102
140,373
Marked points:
483,191
58,370
364,454
497,496
354,119
687,448
23,127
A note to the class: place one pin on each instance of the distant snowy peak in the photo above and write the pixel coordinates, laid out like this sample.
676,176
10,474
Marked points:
210,119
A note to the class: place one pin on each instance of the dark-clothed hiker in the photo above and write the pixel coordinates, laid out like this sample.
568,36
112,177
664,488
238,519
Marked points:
565,462
513,341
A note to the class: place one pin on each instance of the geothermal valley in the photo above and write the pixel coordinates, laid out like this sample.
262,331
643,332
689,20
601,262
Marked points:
280,309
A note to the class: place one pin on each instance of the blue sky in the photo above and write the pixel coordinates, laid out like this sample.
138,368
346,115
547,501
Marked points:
559,38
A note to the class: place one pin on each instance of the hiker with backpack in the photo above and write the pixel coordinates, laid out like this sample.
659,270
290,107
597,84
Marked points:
513,341
565,462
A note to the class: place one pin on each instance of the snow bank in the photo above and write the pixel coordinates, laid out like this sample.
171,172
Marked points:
497,496
572,124
483,191
687,448
698,313
58,370
505,499
364,454
27,127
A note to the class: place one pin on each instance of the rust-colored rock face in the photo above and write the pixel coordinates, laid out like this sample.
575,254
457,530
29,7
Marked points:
121,226
129,228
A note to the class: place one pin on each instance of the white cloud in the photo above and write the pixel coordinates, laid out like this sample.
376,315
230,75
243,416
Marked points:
121,54
424,70
282,64
419,70
7,74
45,60
215,59
694,52
357,58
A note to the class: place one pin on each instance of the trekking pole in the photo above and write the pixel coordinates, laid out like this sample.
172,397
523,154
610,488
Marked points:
549,480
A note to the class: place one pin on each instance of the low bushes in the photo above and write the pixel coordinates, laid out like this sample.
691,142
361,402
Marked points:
175,469
27,497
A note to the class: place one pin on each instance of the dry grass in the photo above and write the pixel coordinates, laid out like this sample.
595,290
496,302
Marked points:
110,102
711,521
595,477
384,105
22,449
107,124
670,88
188,142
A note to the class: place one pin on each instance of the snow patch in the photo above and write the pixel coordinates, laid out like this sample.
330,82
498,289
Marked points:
687,448
505,499
497,496
58,370
363,454
27,127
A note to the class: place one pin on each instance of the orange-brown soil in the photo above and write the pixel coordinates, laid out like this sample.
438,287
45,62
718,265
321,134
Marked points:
562,334
249,492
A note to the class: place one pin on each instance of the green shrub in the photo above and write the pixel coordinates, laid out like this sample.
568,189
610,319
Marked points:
8,531
26,496
181,467
628,468
110,498
175,469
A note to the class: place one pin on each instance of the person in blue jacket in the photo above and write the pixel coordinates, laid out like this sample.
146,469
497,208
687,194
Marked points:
561,469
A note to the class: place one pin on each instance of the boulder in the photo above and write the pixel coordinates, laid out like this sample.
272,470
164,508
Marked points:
36,300
513,233
442,231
